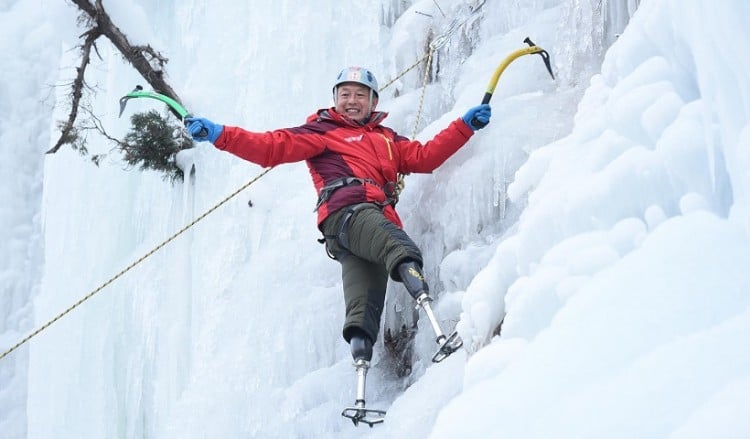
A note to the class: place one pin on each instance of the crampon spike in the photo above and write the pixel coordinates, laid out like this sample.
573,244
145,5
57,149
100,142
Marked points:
367,416
447,347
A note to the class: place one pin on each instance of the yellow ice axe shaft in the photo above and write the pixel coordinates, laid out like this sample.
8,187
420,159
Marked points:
533,48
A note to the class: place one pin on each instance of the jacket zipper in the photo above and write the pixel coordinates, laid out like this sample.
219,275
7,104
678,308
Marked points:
388,142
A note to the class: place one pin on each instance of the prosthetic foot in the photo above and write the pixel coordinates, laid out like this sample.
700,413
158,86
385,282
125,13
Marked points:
448,344
362,353
413,280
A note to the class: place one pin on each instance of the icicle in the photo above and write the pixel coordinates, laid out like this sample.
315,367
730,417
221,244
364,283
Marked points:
499,184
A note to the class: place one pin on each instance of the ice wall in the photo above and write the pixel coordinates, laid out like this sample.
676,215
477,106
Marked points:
30,40
233,329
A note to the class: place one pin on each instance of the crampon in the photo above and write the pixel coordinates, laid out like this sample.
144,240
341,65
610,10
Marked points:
366,416
448,346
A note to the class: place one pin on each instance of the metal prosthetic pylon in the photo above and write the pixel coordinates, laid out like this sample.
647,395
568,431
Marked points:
414,281
448,344
362,353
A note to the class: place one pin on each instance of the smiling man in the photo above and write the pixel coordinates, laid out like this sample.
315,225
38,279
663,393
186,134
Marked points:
354,162
355,94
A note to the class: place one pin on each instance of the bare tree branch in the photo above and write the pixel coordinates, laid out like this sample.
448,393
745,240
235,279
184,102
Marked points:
98,126
140,57
136,55
77,93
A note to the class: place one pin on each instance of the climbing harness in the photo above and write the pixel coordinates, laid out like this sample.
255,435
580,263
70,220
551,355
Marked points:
389,189
341,237
338,183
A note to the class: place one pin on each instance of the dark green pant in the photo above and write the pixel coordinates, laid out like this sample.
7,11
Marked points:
369,248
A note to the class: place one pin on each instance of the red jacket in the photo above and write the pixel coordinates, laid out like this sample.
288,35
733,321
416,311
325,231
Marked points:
335,146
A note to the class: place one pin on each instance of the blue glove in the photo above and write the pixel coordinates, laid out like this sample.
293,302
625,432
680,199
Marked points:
478,117
202,129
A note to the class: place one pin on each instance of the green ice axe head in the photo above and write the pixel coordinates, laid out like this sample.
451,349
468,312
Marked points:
175,106
138,92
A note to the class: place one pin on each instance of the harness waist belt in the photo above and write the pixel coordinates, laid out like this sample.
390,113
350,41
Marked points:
328,190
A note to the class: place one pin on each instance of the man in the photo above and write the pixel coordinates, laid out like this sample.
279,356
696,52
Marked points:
354,162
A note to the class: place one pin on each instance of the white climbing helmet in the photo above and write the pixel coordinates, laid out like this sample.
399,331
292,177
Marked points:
360,75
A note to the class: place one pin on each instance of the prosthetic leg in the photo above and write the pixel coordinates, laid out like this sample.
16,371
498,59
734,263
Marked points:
362,353
413,280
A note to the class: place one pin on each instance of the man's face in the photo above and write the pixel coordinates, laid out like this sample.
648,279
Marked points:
353,100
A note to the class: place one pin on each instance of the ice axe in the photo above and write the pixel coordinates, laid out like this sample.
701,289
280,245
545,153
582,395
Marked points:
533,48
175,106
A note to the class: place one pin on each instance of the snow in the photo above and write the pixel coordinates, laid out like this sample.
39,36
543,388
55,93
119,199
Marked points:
602,218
